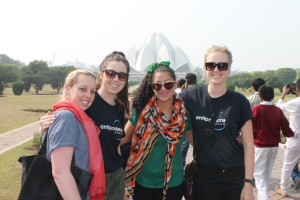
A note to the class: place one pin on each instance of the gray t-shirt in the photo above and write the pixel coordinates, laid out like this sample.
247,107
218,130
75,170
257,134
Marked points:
66,130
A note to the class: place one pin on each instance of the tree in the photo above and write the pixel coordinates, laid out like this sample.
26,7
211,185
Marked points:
243,80
37,73
298,74
4,59
274,81
8,74
58,76
286,75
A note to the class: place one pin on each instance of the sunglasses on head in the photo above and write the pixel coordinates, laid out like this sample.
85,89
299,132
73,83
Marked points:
222,66
110,74
168,85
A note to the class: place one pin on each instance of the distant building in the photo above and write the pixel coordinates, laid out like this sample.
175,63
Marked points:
156,48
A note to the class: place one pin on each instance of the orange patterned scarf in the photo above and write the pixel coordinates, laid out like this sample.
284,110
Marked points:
151,123
96,165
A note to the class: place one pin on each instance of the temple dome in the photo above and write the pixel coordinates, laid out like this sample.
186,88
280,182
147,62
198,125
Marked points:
154,49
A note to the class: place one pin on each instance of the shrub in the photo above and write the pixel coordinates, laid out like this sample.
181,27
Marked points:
37,140
133,82
1,88
230,86
27,86
18,88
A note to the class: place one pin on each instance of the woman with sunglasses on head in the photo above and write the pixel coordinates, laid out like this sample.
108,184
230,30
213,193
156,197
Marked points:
108,110
224,166
154,170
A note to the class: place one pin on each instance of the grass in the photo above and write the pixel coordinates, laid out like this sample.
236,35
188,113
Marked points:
11,170
17,111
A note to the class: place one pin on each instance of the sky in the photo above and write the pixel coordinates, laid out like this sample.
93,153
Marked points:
261,34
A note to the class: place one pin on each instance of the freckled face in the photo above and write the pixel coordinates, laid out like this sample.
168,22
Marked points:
83,91
217,77
164,94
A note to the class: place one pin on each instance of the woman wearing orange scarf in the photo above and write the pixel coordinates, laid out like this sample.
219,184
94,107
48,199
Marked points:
154,169
73,133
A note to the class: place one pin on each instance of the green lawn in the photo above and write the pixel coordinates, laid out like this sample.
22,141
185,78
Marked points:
10,171
17,111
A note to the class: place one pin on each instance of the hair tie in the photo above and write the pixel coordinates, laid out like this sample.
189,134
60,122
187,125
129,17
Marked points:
152,67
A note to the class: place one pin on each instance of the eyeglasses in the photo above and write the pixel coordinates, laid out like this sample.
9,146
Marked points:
222,66
168,85
110,74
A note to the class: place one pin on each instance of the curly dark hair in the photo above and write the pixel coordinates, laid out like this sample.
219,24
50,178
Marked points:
145,90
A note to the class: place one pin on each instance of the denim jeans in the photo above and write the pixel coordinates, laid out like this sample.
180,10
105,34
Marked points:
184,150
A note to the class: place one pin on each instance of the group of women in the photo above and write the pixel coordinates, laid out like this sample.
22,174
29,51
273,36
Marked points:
159,120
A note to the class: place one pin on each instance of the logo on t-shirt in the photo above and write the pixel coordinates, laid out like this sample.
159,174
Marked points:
220,123
116,128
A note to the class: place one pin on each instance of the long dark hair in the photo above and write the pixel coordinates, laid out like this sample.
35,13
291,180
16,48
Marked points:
122,96
145,91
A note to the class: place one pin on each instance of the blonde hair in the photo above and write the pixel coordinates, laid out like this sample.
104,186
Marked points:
213,49
71,79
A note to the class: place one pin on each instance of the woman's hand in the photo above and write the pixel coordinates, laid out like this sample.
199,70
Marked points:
46,121
247,192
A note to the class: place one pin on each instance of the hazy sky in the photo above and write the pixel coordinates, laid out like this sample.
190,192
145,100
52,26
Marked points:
262,34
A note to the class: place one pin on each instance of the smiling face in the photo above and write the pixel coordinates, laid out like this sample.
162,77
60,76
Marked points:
217,77
113,86
82,92
164,94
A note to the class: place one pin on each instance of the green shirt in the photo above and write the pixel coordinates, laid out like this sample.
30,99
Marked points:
152,173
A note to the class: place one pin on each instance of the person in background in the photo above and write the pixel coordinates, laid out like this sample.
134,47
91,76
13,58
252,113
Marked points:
296,176
224,166
180,83
191,81
254,99
108,110
154,170
73,132
268,120
292,145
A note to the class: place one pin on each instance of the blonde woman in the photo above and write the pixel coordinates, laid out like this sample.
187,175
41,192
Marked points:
225,167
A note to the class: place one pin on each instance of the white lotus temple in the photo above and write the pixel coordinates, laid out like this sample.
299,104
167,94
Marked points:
154,49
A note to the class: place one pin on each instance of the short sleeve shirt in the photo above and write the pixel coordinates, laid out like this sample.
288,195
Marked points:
110,120
67,131
222,149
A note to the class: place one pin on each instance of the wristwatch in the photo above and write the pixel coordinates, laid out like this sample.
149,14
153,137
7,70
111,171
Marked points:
251,181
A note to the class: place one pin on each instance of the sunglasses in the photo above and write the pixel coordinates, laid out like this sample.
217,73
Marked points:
168,85
222,66
110,74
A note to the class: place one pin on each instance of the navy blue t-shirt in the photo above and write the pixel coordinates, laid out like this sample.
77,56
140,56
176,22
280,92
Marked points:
110,120
222,149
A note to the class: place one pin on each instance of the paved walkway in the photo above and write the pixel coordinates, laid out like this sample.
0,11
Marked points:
21,135
18,136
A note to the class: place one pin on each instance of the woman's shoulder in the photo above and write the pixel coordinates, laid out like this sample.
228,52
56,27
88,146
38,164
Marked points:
65,116
235,94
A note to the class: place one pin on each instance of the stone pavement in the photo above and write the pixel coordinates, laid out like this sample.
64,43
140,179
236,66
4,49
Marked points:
21,135
18,136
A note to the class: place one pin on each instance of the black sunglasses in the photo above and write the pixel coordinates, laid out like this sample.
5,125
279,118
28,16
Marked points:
222,66
168,85
110,74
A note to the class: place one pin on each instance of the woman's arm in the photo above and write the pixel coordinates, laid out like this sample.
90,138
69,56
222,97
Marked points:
189,136
129,130
61,159
247,138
